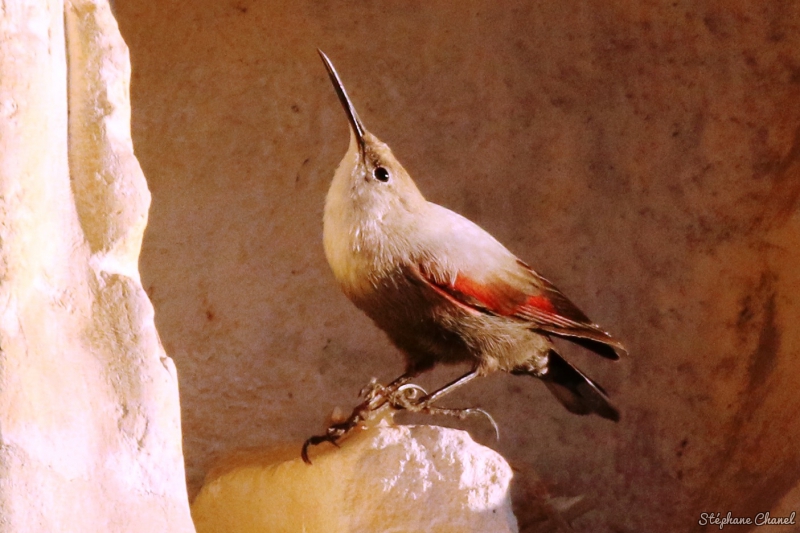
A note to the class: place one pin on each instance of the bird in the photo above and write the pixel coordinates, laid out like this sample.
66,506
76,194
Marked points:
444,290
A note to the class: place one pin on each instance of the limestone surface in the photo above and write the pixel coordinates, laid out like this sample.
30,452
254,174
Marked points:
90,435
386,478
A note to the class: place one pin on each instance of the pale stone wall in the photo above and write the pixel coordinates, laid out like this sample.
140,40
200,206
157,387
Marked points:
90,435
643,155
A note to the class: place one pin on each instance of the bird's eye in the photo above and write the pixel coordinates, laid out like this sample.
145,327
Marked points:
381,174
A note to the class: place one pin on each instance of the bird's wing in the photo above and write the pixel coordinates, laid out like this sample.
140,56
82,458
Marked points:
484,277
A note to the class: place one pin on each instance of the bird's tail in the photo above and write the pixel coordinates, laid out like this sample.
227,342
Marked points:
576,391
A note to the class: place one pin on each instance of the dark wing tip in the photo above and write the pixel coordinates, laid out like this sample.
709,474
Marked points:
609,349
565,319
576,391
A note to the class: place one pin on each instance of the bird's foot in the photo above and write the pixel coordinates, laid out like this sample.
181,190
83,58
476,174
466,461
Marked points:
375,397
422,405
406,397
337,430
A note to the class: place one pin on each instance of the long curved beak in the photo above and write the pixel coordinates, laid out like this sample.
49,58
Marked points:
352,116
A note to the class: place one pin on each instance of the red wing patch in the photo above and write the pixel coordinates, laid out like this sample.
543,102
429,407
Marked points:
499,299
549,311
540,302
548,307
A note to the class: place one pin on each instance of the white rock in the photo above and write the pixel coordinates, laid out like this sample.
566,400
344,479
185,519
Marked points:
90,434
387,478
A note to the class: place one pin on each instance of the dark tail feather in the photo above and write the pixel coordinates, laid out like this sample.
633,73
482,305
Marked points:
578,393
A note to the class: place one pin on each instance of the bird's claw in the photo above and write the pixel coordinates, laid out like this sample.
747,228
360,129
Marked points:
489,417
333,433
406,396
409,397
375,396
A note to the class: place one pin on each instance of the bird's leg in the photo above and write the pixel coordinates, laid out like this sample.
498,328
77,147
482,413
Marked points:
450,387
406,396
424,404
375,397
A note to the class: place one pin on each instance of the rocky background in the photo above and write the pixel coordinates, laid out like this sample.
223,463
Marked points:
644,156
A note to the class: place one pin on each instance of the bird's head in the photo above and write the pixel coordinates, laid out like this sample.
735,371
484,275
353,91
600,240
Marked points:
369,176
